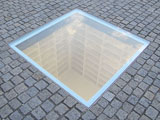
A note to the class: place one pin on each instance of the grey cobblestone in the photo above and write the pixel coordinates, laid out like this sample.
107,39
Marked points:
47,106
121,114
20,88
56,98
43,95
3,101
137,90
73,114
25,109
41,85
110,111
151,112
108,96
70,102
88,115
52,116
38,113
23,97
61,109
34,102
14,103
16,116
32,91
5,111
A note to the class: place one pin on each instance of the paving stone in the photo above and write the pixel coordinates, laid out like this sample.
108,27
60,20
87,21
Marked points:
41,85
14,63
103,102
139,109
32,91
20,88
30,81
53,88
114,89
52,116
61,109
16,71
96,109
24,97
144,101
156,83
26,74
151,112
28,117
121,83
63,93
57,98
133,99
25,109
70,102
126,77
110,111
34,102
149,95
153,89
14,103
5,111
11,94
116,104
122,96
102,117
133,116
7,77
88,116
7,86
127,107
143,86
81,107
3,101
138,92
121,114
108,96
38,113
5,69
16,80
16,116
144,118
47,106
73,114
127,89
142,72
43,95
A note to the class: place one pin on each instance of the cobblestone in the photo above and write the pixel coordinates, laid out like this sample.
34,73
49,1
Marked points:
3,101
28,94
121,114
73,114
151,112
38,113
14,104
16,116
5,111
52,116
47,106
61,109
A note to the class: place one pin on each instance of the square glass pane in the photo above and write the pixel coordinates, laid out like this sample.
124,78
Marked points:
81,53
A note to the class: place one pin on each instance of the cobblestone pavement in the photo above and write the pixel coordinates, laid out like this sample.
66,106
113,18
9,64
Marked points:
25,93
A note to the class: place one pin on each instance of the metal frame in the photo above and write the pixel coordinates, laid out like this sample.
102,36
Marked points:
107,84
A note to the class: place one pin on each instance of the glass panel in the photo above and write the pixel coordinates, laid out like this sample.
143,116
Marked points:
81,53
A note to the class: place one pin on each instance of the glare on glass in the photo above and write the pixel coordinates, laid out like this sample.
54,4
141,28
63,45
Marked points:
81,53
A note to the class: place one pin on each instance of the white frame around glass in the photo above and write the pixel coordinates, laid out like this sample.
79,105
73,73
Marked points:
107,84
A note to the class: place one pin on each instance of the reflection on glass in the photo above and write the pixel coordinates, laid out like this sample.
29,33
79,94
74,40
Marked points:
81,53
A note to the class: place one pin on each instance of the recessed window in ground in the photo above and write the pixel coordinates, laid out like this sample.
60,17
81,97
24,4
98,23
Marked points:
81,53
